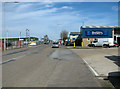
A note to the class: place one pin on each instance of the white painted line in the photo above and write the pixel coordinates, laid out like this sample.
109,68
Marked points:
96,74
13,59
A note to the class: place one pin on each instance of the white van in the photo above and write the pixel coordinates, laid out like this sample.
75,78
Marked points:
104,42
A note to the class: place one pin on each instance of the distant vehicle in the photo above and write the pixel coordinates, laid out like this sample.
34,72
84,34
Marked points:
116,45
47,42
67,43
33,43
104,42
55,45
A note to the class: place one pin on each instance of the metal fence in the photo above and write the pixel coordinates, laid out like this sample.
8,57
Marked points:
12,44
15,44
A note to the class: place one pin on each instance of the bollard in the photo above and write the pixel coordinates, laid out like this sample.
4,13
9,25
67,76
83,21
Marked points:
74,44
82,44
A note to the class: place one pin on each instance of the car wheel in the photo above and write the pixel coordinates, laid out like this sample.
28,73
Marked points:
93,45
105,46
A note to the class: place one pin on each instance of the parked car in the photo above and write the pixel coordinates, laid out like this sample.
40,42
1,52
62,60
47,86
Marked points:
116,45
55,45
47,42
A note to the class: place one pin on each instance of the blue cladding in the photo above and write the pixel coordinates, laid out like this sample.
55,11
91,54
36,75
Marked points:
96,32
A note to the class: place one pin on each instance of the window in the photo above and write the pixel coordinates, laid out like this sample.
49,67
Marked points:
73,38
73,35
88,39
95,39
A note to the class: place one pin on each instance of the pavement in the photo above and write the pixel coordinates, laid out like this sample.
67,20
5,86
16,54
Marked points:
103,62
43,66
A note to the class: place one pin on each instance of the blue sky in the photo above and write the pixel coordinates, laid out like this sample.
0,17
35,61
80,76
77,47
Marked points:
51,18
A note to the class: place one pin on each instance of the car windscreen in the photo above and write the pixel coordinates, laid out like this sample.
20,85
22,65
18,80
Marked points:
55,43
94,41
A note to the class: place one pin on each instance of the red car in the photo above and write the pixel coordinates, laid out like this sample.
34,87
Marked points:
116,45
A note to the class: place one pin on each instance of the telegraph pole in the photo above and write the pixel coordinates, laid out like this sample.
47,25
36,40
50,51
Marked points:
29,34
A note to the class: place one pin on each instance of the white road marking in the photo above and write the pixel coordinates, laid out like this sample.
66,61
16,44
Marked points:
13,59
96,74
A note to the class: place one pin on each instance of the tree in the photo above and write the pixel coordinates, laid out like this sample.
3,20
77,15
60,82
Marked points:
64,35
46,38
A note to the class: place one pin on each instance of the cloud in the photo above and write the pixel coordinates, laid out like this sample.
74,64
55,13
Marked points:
60,0
67,7
23,7
32,14
48,5
23,11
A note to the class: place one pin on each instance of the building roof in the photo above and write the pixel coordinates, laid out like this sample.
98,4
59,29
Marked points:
74,33
100,26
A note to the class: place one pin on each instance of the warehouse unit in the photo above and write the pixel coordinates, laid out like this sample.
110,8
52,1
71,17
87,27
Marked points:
91,33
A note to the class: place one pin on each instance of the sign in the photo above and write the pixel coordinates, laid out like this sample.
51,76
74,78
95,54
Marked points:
96,33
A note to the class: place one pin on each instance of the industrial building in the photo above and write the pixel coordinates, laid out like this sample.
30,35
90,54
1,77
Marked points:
73,36
91,33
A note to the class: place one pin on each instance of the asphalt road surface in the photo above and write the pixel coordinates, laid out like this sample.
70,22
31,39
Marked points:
43,66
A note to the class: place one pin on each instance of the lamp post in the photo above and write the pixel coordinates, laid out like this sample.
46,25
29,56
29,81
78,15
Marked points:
7,37
4,29
26,36
4,23
29,35
19,40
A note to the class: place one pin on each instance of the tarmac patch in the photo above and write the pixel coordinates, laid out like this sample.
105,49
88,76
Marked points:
62,55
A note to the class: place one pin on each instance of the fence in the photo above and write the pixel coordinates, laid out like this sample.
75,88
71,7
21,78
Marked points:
12,44
6,44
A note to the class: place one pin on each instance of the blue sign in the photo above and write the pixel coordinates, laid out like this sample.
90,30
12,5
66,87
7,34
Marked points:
96,32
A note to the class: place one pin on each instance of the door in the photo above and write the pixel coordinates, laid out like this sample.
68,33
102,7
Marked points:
118,40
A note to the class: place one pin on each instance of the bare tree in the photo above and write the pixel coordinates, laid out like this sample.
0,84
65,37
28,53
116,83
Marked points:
64,35
46,38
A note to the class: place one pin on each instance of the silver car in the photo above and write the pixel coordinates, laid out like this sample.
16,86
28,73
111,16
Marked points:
55,45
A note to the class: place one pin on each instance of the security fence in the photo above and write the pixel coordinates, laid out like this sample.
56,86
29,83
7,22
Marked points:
15,44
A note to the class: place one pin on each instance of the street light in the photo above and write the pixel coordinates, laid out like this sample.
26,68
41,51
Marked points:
5,22
19,40
4,28
26,36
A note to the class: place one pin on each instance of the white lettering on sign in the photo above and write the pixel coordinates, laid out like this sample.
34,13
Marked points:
97,33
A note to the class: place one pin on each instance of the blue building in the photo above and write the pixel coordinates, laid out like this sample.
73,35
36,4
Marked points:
91,33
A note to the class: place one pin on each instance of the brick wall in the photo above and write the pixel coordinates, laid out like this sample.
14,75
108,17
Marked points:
86,41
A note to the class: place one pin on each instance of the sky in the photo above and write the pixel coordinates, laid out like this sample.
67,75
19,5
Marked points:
50,18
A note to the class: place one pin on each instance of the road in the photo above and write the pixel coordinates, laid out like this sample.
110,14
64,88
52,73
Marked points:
43,66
